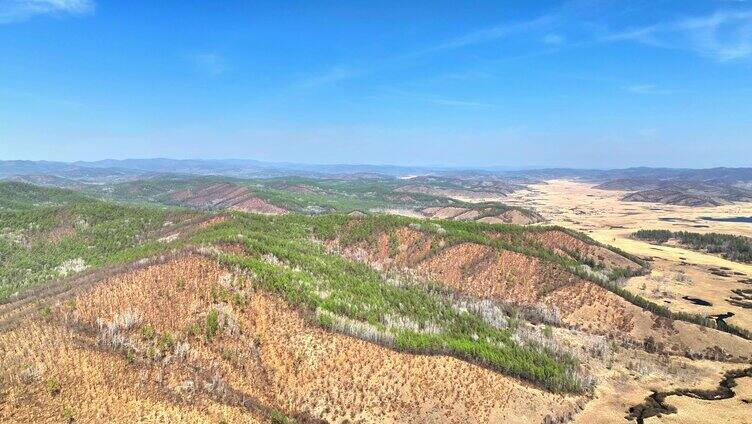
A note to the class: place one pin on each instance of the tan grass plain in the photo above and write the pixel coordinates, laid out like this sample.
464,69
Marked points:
675,272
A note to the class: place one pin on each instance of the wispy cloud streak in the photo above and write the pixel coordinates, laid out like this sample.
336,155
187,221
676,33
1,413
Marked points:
12,11
647,89
722,36
494,33
434,100
330,76
486,35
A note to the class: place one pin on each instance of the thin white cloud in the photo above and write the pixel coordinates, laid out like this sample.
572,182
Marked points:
645,35
330,76
456,103
495,33
432,99
21,10
722,36
340,73
647,89
553,39
210,63
466,75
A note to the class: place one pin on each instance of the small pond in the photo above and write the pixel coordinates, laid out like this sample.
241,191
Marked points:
747,219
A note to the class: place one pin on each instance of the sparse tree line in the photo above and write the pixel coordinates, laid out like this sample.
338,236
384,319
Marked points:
731,247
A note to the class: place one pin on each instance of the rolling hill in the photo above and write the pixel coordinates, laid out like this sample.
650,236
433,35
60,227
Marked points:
126,312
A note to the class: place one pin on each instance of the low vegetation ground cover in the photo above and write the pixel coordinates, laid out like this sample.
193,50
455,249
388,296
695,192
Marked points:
17,195
57,234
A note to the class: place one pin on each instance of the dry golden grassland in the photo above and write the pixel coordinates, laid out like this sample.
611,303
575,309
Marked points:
675,272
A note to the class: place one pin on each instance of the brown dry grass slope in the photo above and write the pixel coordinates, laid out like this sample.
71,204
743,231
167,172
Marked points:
137,347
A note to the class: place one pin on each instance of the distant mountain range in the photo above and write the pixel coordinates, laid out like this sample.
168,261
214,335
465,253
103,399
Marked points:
229,167
244,167
625,179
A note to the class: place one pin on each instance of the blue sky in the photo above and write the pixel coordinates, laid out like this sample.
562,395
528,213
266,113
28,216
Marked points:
576,84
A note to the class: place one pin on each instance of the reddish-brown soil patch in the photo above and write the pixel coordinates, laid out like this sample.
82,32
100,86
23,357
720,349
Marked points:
470,215
225,196
567,244
485,272
297,188
213,221
514,216
448,212
255,204
511,216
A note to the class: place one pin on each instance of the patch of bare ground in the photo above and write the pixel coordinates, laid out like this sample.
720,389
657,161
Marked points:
231,248
141,346
470,215
446,212
481,214
225,196
297,188
58,233
255,204
213,221
511,216
460,194
563,243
